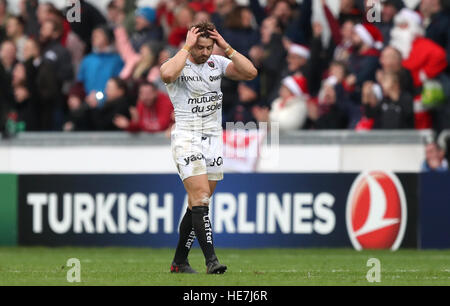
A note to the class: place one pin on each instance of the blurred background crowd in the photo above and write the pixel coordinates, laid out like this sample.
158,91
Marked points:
382,66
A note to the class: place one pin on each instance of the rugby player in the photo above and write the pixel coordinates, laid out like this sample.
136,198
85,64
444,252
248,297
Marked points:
193,80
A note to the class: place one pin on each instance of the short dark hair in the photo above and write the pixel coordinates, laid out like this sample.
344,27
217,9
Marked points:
8,41
112,5
341,64
36,43
204,27
20,19
109,33
147,83
58,26
121,84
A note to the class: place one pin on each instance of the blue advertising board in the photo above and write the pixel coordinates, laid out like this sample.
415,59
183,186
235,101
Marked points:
434,211
247,210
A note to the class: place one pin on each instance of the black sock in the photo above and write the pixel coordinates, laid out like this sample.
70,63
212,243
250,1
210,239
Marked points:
203,231
187,237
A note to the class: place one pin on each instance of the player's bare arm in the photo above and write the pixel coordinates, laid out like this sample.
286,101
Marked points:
171,69
241,68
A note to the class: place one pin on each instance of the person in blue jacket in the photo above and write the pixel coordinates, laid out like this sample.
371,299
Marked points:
101,65
434,159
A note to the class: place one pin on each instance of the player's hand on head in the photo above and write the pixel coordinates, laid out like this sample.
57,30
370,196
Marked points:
192,37
220,41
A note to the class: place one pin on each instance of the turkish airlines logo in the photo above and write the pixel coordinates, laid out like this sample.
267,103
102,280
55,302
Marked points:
376,211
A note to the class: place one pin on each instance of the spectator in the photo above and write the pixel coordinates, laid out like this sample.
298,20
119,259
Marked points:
115,15
202,5
28,9
91,19
152,115
269,57
349,11
44,86
389,10
435,160
338,72
15,28
364,61
102,119
19,75
223,8
147,61
299,29
3,19
77,118
24,108
183,19
344,43
238,31
282,10
201,16
437,23
165,11
248,98
53,50
395,110
146,28
421,56
69,39
391,62
137,65
154,75
8,60
290,109
101,65
128,8
46,11
59,16
296,60
328,113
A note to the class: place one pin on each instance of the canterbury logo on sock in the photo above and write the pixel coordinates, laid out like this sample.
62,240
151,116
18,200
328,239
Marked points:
208,230
190,240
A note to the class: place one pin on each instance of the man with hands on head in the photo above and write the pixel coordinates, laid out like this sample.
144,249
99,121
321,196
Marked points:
193,80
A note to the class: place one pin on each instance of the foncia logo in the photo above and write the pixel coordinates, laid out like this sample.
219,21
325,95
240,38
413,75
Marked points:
376,211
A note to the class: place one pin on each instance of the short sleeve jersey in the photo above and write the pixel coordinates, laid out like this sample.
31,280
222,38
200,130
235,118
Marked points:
197,97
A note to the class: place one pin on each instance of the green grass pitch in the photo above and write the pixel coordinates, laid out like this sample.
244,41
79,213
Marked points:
266,267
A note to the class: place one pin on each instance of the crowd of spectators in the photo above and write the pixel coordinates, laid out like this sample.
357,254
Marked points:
102,74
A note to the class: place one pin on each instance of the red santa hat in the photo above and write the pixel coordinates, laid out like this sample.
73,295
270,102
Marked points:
300,50
370,35
298,85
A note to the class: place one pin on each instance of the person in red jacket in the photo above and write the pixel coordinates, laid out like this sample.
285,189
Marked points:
153,113
421,56
183,19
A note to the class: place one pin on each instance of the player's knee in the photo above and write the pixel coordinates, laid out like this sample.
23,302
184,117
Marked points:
202,199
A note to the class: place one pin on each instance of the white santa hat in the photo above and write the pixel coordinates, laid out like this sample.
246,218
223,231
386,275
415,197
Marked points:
408,16
412,18
298,85
300,50
370,35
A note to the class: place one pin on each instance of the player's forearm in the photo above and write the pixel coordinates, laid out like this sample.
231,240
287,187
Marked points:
171,70
244,66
